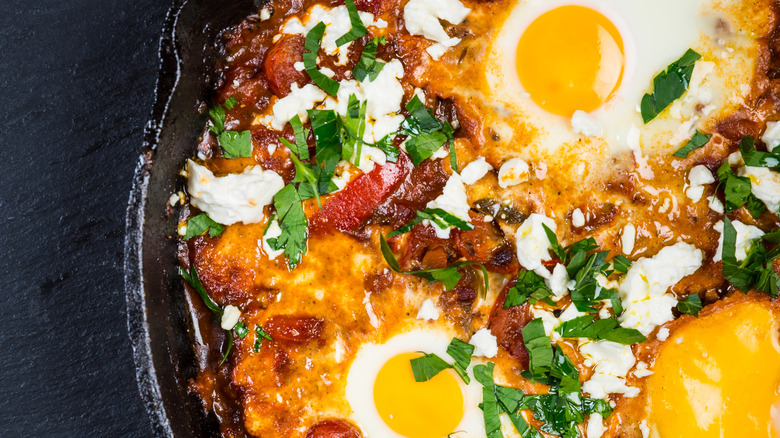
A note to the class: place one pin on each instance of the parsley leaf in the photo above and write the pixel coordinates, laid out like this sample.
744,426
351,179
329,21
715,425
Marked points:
303,172
438,216
756,271
690,305
300,148
461,352
368,65
528,286
621,263
737,192
426,133
312,47
293,223
698,140
191,277
755,158
539,349
234,143
217,116
201,223
448,276
669,85
240,329
358,28
427,367
606,329
260,334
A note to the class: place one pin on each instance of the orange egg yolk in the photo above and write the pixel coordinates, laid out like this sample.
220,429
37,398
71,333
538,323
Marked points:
719,377
570,58
412,409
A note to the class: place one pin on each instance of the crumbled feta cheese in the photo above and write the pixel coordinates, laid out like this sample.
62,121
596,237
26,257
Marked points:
230,315
342,175
735,159
337,23
746,234
595,426
585,124
611,363
644,288
273,231
697,178
512,173
182,229
428,311
715,204
577,218
645,430
265,14
173,200
485,344
641,370
559,282
771,137
569,313
549,321
765,185
422,18
294,104
475,170
372,319
453,200
663,334
442,152
233,198
628,239
369,156
533,247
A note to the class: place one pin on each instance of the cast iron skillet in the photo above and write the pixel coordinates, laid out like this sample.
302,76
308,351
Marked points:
157,317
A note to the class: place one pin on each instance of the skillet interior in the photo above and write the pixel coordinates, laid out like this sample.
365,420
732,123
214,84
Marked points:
157,316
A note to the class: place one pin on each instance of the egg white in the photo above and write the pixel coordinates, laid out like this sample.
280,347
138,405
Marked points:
654,35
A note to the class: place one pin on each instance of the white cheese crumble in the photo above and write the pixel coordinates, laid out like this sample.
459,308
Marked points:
644,288
549,322
533,247
454,201
485,344
641,370
577,218
422,18
512,173
559,282
235,197
663,334
475,170
294,104
765,185
595,426
273,231
771,137
698,177
336,24
645,430
230,315
746,234
428,311
715,204
611,363
628,239
585,124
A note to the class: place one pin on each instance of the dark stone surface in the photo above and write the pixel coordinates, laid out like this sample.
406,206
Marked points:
77,80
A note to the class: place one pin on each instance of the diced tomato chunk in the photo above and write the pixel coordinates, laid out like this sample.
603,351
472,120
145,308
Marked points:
507,326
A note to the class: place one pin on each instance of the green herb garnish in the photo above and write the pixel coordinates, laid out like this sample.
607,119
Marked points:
429,365
440,217
293,222
201,223
234,143
737,191
756,270
358,28
528,286
311,48
755,158
669,85
368,65
426,133
260,334
690,305
698,140
606,329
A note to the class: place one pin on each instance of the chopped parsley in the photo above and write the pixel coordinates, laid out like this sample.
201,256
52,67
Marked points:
737,191
426,134
429,365
755,158
311,48
528,286
368,66
235,144
240,330
260,334
294,225
358,28
690,305
698,140
449,276
669,85
621,263
606,329
440,217
198,225
756,270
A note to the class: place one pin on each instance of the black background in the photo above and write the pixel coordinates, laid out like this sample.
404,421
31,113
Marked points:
77,80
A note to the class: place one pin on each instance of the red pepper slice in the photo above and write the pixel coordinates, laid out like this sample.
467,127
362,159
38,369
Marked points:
351,207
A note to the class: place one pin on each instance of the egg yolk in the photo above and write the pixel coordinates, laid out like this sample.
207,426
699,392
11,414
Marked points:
429,409
570,58
719,377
